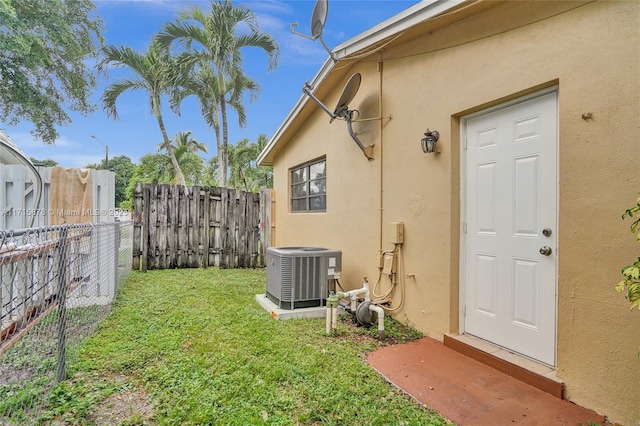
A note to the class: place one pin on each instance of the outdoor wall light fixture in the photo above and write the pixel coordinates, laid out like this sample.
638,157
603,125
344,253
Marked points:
429,141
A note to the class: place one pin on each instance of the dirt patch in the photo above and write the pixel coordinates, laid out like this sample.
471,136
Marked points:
395,333
132,406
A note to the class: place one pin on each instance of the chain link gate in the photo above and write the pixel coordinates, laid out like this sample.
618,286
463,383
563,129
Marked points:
56,284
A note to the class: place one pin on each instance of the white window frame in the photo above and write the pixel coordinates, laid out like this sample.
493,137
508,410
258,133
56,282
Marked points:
306,182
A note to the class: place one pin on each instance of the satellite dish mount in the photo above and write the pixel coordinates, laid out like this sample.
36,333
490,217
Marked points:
342,110
318,19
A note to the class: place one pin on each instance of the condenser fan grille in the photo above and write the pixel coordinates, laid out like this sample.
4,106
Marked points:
297,276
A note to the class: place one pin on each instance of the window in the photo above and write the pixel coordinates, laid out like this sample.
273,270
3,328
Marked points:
309,187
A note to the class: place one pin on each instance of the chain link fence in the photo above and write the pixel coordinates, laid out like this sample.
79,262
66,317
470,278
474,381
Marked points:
57,283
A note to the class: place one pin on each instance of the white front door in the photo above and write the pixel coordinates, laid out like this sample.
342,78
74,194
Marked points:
510,227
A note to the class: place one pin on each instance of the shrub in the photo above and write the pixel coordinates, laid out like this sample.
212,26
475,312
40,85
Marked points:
631,283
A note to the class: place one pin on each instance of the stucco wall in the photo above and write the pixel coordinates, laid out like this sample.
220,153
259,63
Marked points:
350,223
592,53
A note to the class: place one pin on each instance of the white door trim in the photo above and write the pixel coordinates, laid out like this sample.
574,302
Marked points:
463,199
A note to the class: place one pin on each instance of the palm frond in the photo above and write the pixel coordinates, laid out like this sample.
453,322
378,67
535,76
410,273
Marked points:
114,90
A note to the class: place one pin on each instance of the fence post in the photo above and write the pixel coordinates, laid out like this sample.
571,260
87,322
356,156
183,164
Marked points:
62,302
3,307
205,227
267,221
146,209
116,271
137,227
42,260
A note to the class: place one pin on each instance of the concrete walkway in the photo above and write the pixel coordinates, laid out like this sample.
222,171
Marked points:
470,393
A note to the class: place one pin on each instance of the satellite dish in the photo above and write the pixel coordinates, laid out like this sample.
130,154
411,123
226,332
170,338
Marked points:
318,19
342,110
348,93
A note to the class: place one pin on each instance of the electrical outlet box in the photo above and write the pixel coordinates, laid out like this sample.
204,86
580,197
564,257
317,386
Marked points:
397,232
389,263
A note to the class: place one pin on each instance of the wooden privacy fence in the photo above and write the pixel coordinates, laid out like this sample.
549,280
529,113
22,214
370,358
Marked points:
178,227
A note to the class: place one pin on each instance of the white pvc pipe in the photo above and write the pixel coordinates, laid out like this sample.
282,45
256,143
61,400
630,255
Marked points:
380,312
367,296
334,318
328,320
353,294
332,313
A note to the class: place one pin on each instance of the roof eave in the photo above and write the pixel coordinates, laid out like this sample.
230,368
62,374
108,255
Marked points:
302,101
412,16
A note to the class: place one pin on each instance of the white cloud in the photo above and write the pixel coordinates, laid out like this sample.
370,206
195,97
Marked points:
173,5
25,141
66,152
294,46
269,7
76,160
275,18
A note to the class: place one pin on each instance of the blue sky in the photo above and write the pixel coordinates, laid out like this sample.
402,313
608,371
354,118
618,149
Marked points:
133,23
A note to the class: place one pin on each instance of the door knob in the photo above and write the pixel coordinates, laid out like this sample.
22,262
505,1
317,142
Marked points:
546,250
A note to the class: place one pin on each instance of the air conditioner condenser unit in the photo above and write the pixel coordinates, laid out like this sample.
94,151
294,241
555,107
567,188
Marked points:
298,277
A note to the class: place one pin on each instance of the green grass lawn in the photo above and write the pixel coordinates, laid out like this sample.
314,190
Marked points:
193,347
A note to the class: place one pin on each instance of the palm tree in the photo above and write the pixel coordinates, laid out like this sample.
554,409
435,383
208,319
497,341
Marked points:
186,150
263,174
204,85
157,73
244,172
184,143
211,172
240,157
213,40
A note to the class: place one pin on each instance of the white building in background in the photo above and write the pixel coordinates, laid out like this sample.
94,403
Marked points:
33,196
22,183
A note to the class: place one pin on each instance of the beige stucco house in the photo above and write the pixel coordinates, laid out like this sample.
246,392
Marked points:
513,239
